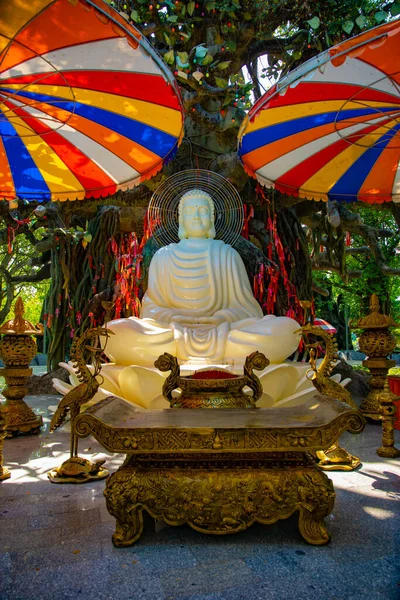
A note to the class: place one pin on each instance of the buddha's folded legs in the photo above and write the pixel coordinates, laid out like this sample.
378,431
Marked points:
138,341
273,336
142,341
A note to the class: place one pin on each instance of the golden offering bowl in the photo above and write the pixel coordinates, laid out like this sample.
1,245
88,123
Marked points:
212,387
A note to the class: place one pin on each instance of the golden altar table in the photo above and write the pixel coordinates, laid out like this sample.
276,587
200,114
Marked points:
219,470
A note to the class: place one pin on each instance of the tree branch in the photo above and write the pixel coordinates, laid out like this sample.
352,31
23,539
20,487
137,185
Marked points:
327,266
319,290
43,273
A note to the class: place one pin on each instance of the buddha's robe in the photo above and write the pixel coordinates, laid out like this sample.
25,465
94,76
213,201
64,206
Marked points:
198,306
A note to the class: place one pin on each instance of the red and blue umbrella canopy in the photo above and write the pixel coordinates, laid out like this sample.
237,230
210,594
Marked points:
330,130
324,325
87,107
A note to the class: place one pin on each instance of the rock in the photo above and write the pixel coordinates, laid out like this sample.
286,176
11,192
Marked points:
358,386
43,384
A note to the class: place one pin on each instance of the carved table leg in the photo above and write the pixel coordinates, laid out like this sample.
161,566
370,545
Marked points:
313,528
129,526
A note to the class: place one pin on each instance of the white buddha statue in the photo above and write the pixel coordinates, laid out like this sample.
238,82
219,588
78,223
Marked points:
199,305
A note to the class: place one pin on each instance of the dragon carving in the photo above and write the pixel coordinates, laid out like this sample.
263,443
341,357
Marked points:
320,376
167,362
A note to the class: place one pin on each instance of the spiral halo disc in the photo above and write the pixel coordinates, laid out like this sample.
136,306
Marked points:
163,208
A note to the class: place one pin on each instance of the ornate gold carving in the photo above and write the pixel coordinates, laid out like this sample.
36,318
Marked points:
168,440
4,473
20,326
218,501
17,349
377,342
77,469
167,362
224,392
387,450
335,458
219,479
257,361
375,320
320,376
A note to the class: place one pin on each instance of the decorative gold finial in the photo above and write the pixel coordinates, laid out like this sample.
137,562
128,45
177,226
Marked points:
374,305
18,325
375,320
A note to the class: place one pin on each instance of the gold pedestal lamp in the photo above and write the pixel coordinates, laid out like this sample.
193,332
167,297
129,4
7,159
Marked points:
17,349
4,473
377,342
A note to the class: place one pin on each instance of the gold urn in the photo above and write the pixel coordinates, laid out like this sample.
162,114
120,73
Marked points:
17,349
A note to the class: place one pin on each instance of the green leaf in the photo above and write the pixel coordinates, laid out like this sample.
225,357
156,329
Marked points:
314,22
169,57
247,16
172,19
221,83
190,8
207,60
87,237
167,38
236,3
395,9
297,54
135,16
184,57
381,16
361,21
347,26
181,64
227,100
224,65
230,45
201,51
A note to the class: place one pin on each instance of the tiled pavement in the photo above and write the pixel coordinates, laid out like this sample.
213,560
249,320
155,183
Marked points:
55,540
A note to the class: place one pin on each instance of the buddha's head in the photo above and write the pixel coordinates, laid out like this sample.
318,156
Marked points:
196,215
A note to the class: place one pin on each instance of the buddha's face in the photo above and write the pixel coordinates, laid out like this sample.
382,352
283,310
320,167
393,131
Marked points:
196,216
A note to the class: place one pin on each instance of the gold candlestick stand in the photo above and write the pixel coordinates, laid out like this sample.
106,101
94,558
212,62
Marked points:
17,349
377,342
4,473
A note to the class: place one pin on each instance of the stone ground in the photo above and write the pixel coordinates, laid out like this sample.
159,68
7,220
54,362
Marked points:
55,540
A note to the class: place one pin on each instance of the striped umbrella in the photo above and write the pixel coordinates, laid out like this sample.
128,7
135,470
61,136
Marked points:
330,130
324,325
87,107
